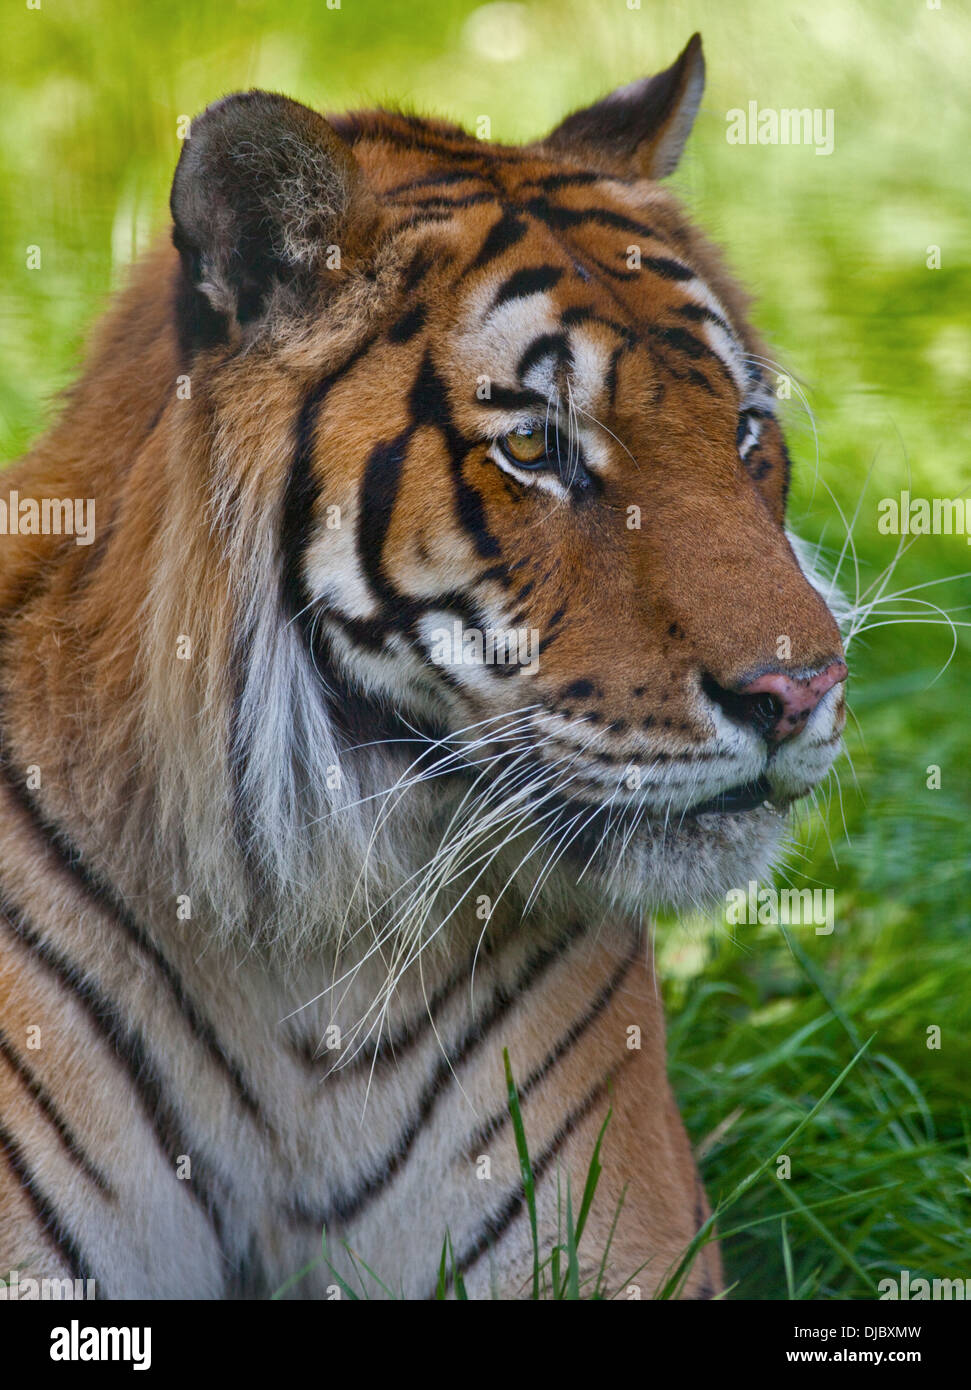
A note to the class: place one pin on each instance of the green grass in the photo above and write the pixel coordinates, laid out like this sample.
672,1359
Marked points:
834,250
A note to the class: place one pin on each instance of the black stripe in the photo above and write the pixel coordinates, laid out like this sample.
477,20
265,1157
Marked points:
610,380
372,633
302,490
667,268
501,236
561,218
612,271
412,321
440,202
570,1038
701,313
696,378
44,1210
428,405
347,1207
757,464
681,341
496,1225
546,345
580,178
530,280
379,491
786,468
242,814
550,635
45,1102
299,501
127,1043
513,398
583,313
376,125
415,271
424,125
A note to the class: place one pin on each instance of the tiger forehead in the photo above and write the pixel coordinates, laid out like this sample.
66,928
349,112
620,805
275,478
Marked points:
550,269
542,306
582,212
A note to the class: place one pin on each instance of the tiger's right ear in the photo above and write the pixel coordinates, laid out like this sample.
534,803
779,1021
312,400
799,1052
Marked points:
639,130
264,189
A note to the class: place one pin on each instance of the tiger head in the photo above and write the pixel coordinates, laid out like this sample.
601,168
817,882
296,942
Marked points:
521,490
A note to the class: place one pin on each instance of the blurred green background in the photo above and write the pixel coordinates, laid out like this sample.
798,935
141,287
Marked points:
835,251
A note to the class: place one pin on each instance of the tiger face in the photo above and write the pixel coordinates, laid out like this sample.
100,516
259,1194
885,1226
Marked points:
533,523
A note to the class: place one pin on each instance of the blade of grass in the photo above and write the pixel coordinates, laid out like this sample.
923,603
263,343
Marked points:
593,1177
600,1284
572,1252
525,1166
787,1260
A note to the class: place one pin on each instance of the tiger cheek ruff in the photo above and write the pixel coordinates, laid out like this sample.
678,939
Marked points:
438,623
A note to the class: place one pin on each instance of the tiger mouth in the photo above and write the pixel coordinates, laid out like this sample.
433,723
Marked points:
744,797
734,800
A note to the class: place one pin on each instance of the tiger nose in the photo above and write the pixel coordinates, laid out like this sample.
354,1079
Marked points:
777,706
793,700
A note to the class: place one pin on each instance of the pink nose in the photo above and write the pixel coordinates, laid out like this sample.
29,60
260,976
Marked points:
792,701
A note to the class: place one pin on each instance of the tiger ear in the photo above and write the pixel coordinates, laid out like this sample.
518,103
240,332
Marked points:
640,129
264,191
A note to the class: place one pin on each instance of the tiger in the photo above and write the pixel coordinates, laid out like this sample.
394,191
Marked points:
439,625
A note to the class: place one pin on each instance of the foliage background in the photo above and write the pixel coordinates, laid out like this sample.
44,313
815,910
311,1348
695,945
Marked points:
834,250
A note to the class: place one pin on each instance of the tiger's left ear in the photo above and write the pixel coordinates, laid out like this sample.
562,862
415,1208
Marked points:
640,129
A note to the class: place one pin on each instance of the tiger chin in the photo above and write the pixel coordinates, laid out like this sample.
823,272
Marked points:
440,622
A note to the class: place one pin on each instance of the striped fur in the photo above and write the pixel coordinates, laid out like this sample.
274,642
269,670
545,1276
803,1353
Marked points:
243,805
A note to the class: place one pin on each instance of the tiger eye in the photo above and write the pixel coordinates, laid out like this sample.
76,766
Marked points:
526,445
